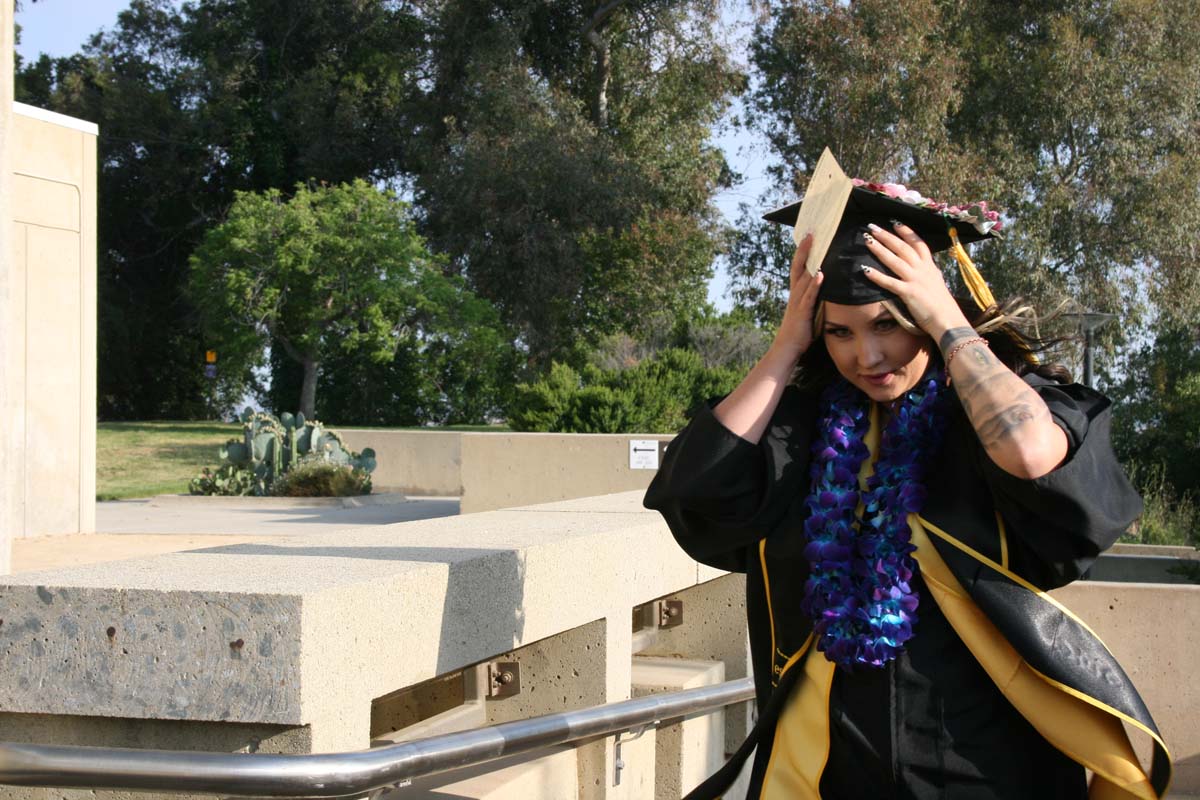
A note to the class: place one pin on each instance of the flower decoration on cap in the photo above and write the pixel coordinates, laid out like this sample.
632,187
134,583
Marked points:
977,214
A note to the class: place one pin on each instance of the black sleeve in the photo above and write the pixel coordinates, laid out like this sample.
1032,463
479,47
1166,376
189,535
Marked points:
1060,522
720,493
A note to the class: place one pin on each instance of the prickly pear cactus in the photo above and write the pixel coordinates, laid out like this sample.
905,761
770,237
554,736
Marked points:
269,448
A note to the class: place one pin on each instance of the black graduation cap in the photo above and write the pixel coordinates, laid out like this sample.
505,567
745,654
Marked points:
841,227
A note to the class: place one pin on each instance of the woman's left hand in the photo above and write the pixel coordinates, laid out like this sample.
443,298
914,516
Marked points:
918,282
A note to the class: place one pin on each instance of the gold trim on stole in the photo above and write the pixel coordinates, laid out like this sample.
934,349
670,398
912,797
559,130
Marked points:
801,745
1082,728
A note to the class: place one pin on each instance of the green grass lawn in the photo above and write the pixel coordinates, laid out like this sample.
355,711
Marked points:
141,459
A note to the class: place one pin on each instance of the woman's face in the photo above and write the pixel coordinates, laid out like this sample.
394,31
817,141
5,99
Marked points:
872,351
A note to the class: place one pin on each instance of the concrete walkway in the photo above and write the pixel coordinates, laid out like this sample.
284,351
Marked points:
169,524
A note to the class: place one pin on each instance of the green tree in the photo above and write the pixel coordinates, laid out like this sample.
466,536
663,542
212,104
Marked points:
1077,117
197,102
458,372
336,269
567,168
1158,426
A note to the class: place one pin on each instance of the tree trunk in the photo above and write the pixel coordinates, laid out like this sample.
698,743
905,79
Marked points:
308,389
603,75
603,69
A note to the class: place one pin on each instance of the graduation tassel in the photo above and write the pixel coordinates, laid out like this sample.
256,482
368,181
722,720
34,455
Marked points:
978,287
975,283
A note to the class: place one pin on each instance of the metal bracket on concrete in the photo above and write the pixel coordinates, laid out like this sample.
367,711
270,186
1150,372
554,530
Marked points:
670,613
650,618
504,679
618,761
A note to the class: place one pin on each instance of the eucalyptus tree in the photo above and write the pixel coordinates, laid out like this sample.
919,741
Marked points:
1077,117
568,165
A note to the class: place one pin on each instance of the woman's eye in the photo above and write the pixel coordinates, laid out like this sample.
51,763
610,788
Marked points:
837,333
886,325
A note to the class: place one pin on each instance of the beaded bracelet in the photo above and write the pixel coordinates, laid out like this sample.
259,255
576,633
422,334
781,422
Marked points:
960,346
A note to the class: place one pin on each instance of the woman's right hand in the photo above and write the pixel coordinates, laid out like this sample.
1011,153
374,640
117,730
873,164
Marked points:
795,333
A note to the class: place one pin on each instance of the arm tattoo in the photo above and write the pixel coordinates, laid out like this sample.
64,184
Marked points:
1004,423
998,403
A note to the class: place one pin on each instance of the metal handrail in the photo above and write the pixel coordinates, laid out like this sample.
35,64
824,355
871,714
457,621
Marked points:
343,774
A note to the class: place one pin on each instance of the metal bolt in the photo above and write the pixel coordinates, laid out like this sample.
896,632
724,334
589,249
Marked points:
504,677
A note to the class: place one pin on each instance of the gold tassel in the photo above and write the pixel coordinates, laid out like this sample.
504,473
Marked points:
975,283
978,287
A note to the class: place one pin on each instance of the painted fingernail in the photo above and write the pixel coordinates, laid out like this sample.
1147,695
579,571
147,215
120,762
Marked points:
868,238
866,269
873,226
897,224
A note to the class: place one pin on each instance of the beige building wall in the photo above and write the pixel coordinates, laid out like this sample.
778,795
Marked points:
50,370
9,455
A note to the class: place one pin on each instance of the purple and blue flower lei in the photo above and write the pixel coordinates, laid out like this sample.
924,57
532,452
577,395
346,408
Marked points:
858,593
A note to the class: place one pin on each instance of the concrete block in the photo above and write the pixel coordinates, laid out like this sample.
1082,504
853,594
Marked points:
219,737
331,622
1151,629
714,629
690,750
213,657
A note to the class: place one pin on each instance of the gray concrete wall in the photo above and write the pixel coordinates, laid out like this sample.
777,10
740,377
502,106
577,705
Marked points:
412,462
1151,629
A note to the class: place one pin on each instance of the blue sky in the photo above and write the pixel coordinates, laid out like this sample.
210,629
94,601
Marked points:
60,27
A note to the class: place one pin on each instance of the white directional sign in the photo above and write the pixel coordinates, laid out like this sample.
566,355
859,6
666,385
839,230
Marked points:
643,454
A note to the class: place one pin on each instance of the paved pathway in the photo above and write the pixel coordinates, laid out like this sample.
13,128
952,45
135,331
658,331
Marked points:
134,528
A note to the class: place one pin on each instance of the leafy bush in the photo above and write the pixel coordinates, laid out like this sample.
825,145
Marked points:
314,476
1168,517
654,396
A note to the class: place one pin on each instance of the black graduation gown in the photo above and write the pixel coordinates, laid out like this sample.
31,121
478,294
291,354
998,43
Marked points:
931,724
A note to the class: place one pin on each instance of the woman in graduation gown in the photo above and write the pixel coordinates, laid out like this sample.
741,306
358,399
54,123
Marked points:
900,514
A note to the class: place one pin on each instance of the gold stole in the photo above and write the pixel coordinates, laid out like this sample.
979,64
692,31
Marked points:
1079,726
